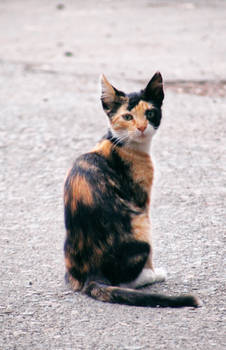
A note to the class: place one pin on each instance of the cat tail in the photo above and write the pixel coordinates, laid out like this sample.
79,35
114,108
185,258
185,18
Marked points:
117,295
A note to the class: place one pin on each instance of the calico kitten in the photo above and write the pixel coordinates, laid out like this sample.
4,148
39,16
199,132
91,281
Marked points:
108,250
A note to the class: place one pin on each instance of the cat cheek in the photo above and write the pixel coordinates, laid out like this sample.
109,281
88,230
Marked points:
150,131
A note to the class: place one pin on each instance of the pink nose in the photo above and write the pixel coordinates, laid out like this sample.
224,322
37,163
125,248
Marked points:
142,128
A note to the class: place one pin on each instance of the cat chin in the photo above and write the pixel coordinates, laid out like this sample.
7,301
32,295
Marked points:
141,143
143,138
140,146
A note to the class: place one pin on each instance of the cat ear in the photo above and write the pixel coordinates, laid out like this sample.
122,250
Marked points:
111,98
154,89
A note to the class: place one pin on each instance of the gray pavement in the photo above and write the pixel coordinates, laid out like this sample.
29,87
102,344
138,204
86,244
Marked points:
51,57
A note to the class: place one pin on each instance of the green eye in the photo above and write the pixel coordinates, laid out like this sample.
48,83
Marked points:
150,113
127,117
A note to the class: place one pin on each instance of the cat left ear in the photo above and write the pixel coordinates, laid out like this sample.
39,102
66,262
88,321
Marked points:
154,90
111,98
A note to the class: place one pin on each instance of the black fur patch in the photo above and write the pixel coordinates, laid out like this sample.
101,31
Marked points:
125,261
154,120
134,99
112,108
104,292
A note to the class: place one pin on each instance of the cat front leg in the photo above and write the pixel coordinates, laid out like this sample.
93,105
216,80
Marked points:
142,232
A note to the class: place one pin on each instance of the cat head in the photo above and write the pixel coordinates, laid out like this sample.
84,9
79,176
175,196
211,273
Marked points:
133,117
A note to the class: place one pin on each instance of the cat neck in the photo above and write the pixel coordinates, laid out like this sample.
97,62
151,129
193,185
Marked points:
140,164
144,147
131,146
132,155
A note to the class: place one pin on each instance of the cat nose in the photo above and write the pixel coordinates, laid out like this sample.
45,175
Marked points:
142,128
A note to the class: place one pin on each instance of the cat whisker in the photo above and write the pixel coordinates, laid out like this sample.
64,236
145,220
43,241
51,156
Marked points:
118,140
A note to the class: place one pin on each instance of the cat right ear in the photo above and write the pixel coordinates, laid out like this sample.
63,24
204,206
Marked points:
111,98
154,89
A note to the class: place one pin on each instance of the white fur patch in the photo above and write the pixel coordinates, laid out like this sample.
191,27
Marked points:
134,140
146,277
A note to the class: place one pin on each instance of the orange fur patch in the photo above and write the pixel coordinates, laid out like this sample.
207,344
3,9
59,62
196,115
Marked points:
81,191
66,198
86,166
66,193
75,284
68,263
140,108
141,166
141,227
118,123
104,148
139,112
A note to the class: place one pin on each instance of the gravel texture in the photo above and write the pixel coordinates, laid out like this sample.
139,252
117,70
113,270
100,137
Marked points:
51,56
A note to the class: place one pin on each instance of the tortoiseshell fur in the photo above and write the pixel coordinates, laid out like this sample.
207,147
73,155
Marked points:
107,199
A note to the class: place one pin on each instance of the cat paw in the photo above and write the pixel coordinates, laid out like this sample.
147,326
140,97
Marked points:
147,277
160,275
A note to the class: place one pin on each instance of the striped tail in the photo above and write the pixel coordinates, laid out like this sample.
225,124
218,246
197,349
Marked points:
126,296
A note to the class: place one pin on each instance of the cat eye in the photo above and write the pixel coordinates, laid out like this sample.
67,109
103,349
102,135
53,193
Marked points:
127,117
150,113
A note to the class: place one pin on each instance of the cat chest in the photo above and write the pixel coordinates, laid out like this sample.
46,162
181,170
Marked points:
140,172
142,175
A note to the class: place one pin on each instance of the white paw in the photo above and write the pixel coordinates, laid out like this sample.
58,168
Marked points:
160,275
146,277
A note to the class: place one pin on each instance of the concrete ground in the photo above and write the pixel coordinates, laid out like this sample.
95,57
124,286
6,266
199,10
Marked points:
51,56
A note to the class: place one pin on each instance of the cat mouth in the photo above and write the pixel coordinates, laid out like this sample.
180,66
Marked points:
142,135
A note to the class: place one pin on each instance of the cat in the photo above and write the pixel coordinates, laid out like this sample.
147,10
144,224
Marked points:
108,249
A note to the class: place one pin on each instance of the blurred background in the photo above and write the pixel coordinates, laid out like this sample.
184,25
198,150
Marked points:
126,39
